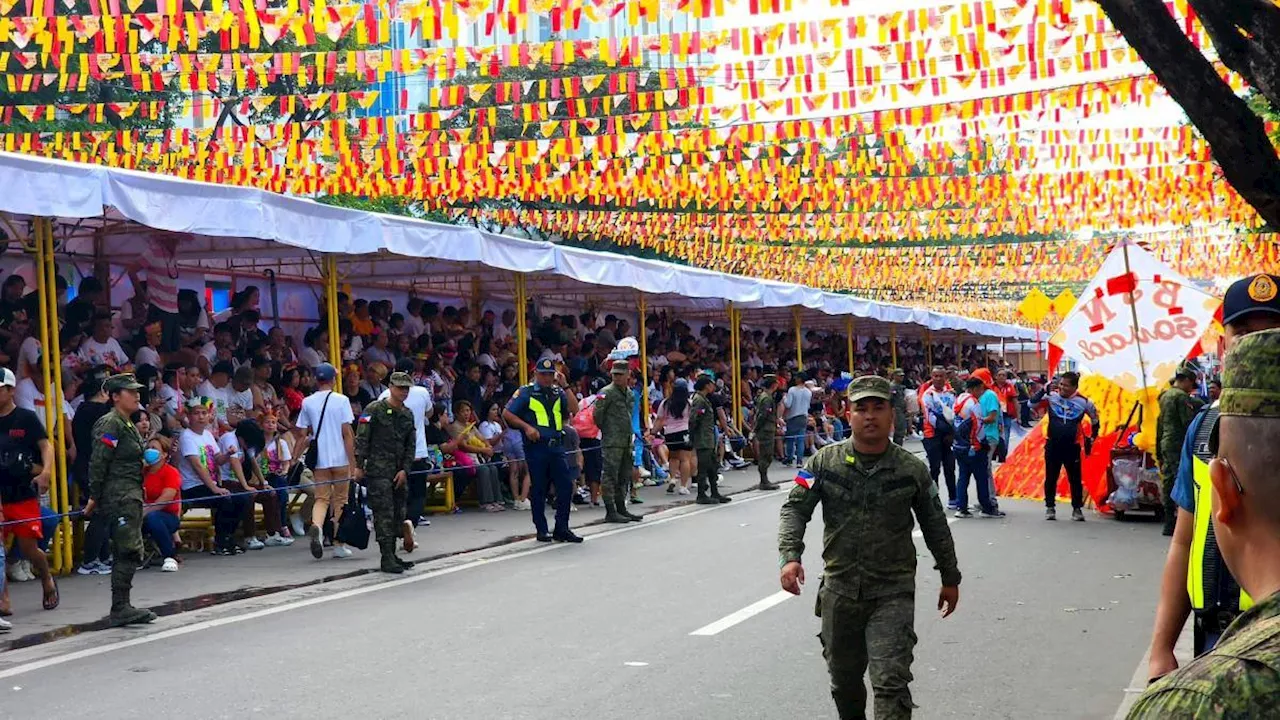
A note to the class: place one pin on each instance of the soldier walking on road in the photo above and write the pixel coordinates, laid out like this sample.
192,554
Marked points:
702,423
869,489
1238,678
385,445
115,489
898,398
612,414
1177,409
765,429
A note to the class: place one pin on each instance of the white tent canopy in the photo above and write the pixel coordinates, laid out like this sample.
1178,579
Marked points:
235,227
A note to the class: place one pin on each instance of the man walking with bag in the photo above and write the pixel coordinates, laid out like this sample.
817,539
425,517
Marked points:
385,445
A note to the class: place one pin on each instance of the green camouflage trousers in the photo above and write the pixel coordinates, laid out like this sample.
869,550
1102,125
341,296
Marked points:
878,632
615,476
764,455
387,503
125,517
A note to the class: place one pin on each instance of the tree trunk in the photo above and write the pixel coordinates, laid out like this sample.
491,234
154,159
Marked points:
1246,34
1236,136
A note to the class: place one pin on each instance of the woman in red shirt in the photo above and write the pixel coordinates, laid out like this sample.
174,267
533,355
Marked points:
161,495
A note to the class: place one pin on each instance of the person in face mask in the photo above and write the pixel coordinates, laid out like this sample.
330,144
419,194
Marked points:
161,489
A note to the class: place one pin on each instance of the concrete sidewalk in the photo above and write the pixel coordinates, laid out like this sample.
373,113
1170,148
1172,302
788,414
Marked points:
206,580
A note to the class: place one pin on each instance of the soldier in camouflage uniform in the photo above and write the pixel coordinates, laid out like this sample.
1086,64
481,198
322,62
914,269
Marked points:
765,429
702,423
1240,676
385,444
869,489
115,490
612,413
1177,408
898,399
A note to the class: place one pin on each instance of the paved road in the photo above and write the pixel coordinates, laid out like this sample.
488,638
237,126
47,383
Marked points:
1053,620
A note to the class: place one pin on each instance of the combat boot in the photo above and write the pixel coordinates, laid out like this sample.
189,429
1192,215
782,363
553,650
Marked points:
620,502
406,564
611,514
390,563
123,613
715,491
702,494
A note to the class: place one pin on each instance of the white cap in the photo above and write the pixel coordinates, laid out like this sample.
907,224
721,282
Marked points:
7,379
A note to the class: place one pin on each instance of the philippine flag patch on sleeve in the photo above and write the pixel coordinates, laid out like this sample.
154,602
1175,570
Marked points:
804,479
109,440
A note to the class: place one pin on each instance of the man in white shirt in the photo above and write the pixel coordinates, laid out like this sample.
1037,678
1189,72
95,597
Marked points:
796,402
325,420
149,353
413,324
102,349
502,331
218,389
171,391
27,395
419,404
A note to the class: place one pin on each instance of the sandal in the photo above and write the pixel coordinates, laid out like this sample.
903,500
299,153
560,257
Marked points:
51,599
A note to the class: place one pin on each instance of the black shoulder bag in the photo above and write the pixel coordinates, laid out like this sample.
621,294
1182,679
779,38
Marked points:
353,526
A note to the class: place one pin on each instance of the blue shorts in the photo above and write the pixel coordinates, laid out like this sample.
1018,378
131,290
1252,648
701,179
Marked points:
637,452
513,446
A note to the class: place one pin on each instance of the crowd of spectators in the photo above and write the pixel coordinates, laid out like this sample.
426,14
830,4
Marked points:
225,394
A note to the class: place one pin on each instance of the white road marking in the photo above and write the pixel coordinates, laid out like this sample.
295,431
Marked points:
151,637
742,615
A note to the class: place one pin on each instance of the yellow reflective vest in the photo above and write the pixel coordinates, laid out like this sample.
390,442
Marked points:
1209,582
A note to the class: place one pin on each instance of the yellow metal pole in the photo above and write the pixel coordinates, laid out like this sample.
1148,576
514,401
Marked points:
893,344
331,316
851,342
522,332
644,363
60,499
795,318
735,335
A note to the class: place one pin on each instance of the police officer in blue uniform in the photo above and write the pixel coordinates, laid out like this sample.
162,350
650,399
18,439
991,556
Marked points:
540,410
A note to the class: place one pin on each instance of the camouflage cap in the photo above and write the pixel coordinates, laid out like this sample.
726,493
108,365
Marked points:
1188,370
401,379
125,381
870,386
1251,376
620,367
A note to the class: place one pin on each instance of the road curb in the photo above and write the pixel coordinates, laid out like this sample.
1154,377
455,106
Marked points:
208,600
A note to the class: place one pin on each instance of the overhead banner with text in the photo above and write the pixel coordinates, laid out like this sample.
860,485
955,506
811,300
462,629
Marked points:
1135,322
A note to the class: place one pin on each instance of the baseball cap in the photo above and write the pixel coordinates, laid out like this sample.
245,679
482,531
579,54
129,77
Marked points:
7,378
984,375
1256,293
545,365
401,379
620,367
869,386
326,372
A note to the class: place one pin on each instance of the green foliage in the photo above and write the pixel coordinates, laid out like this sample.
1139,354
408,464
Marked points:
388,205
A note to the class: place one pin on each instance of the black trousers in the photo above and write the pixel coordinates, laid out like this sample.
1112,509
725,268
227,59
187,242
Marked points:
416,502
941,458
227,510
1056,457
